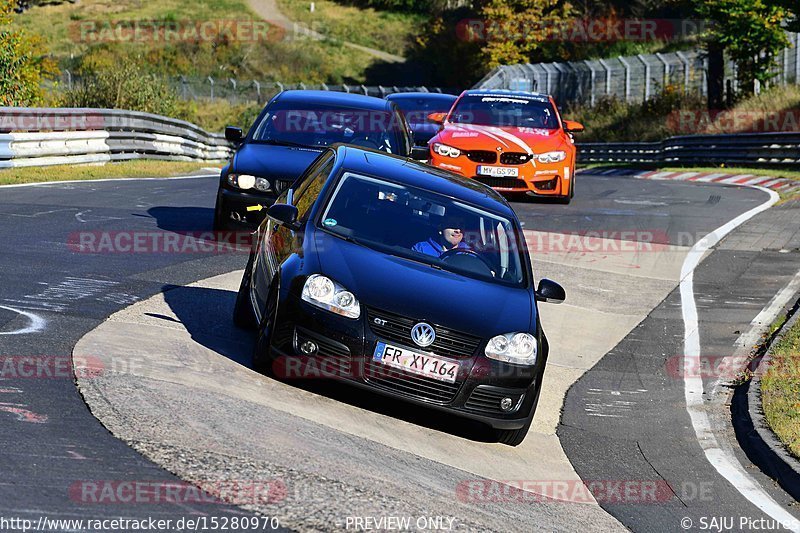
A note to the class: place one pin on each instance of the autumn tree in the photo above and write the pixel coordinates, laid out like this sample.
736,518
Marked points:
515,30
23,64
752,33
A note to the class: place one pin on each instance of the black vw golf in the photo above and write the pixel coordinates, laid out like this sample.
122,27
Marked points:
291,131
404,279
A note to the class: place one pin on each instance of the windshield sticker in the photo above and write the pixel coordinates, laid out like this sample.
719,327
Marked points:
505,100
535,131
329,222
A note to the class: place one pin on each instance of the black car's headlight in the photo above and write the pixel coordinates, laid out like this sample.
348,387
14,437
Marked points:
329,295
246,181
517,348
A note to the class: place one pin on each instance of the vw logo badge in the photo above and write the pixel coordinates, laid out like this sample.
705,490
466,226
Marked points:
423,334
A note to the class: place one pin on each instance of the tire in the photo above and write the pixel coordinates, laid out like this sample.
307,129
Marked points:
219,222
261,352
514,437
243,316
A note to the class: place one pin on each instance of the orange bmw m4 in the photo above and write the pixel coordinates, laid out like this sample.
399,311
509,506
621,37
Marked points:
515,142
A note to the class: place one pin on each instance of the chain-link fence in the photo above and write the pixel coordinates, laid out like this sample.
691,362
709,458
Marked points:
241,91
632,78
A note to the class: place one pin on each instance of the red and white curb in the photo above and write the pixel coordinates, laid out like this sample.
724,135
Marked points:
782,185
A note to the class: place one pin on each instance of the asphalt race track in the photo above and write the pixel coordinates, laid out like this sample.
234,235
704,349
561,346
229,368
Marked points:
625,419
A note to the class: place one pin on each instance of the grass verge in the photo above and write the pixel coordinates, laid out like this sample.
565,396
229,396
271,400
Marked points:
125,169
388,31
91,33
780,390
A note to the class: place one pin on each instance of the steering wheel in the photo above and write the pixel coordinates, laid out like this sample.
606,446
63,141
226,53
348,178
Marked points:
468,260
366,143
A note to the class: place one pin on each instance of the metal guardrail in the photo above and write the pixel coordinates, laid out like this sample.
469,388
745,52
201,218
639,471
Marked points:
754,149
56,136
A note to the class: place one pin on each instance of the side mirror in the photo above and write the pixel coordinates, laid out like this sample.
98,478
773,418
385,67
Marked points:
573,127
420,153
233,134
437,118
550,291
285,215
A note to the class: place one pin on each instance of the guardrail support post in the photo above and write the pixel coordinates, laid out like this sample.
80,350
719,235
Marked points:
69,78
258,90
797,58
365,90
627,78
591,82
666,69
686,65
646,76
211,81
608,76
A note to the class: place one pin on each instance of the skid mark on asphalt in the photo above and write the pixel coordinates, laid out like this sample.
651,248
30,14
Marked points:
612,408
58,297
36,323
20,410
23,414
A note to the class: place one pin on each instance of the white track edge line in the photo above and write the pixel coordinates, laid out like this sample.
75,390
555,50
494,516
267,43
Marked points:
725,464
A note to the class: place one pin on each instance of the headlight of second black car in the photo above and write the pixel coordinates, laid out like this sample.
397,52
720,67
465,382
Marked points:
246,181
515,348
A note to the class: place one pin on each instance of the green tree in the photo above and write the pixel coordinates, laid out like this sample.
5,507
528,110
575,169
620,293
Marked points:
751,32
123,85
23,65
516,30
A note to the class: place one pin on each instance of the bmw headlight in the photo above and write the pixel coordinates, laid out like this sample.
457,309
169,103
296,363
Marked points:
329,295
246,181
447,151
517,348
552,157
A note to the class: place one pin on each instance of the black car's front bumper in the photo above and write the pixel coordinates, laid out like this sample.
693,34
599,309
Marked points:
232,207
345,350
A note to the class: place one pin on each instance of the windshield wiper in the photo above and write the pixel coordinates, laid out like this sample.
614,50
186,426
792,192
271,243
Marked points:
275,142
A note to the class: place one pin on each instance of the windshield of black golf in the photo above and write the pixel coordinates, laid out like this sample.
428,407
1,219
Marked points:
505,111
316,125
425,227
416,110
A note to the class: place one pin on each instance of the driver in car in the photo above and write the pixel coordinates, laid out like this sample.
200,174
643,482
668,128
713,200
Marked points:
449,237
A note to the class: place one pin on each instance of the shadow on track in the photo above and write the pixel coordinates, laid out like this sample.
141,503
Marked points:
206,314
